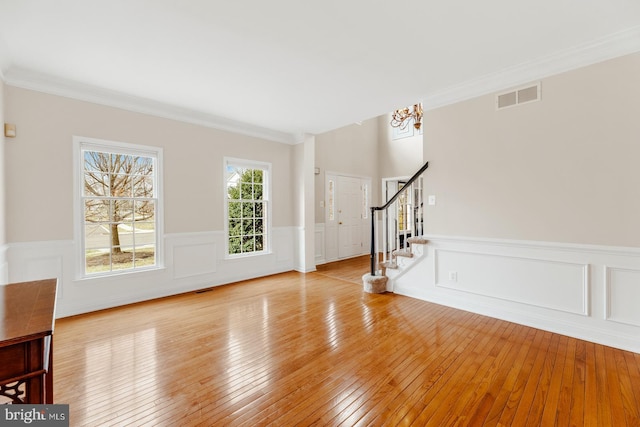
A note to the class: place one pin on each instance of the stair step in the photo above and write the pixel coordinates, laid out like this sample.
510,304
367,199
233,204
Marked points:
388,264
402,252
417,240
383,266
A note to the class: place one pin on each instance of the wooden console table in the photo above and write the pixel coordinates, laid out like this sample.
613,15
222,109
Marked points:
27,317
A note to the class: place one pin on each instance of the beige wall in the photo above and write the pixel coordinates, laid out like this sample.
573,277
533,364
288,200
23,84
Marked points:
3,143
564,169
399,157
351,150
39,169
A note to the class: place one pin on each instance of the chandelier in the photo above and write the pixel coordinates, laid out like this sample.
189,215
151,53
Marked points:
401,118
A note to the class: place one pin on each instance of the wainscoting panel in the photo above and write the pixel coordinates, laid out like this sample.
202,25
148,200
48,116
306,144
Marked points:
622,295
550,284
4,267
319,243
283,244
47,267
4,273
564,288
192,261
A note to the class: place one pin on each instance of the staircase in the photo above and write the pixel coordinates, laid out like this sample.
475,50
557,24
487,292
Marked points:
396,234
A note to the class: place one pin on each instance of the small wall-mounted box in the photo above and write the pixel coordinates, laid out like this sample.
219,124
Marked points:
9,130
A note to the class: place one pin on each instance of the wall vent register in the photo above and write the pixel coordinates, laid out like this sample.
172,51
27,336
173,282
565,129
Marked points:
518,96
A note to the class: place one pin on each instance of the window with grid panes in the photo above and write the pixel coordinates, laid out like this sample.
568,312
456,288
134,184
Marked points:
247,207
119,204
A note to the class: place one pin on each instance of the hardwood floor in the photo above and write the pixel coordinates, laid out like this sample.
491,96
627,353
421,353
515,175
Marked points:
297,350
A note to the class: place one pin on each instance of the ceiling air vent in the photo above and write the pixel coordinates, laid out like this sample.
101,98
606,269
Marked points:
518,96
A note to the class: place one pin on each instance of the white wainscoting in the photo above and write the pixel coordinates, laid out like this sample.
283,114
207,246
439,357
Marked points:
585,291
326,244
192,261
4,267
319,244
622,297
543,283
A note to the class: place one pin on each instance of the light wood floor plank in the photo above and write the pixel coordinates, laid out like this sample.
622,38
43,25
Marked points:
504,388
563,409
395,362
479,379
552,399
457,378
477,410
312,349
407,405
399,402
524,374
632,381
578,390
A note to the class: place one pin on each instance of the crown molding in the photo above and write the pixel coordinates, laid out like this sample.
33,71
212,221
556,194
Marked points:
4,59
27,79
615,45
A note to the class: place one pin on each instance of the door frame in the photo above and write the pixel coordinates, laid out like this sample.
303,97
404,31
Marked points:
331,224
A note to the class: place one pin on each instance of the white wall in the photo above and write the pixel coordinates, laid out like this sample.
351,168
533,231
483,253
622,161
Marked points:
39,200
303,199
397,157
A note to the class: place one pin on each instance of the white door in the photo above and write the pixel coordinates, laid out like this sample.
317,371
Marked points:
347,217
350,229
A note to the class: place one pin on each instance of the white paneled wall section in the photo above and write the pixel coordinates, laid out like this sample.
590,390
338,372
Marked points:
193,261
585,291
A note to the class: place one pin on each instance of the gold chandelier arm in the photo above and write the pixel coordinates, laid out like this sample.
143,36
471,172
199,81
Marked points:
400,118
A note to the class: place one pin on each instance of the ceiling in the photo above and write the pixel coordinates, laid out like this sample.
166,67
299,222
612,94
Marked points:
282,68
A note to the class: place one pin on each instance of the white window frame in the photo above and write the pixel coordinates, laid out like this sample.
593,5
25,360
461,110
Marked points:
81,144
266,196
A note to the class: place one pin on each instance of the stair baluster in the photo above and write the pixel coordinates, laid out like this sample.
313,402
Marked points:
387,243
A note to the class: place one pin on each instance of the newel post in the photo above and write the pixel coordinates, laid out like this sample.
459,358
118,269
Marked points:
373,241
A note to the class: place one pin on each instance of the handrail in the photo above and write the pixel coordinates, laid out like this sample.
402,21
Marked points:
395,196
384,207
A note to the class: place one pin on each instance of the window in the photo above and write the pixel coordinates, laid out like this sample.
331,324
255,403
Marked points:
402,208
365,201
247,207
331,200
119,206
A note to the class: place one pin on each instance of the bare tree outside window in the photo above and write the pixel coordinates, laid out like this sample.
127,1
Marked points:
119,211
